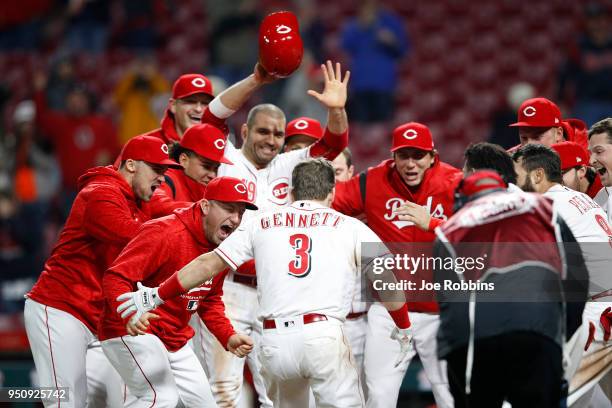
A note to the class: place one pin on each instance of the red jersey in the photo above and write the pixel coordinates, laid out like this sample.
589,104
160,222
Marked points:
379,191
162,247
103,219
80,142
178,191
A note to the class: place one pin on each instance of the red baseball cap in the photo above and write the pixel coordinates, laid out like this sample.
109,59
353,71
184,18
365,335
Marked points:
229,190
280,45
412,134
207,141
481,180
538,112
191,84
148,148
571,154
304,126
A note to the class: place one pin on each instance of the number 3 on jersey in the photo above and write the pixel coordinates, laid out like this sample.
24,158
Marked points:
301,244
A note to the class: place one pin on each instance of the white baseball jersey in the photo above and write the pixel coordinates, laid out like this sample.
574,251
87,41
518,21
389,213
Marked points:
588,222
268,187
306,257
604,199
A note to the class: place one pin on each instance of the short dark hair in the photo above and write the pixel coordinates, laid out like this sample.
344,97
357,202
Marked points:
480,156
176,150
348,156
313,179
266,108
603,126
538,156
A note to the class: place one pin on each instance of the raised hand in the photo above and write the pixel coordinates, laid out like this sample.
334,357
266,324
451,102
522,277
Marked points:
335,90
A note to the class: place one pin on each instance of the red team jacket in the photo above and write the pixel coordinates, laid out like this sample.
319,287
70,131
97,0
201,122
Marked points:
178,191
104,218
380,190
162,247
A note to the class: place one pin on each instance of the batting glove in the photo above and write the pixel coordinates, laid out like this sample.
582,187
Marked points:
404,337
139,302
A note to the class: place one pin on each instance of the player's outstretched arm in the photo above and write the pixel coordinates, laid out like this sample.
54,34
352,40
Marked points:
234,97
334,96
145,299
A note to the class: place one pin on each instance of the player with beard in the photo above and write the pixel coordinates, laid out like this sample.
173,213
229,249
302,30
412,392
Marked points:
63,308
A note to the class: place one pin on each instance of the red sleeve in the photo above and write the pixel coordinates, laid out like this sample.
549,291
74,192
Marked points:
209,118
140,258
434,223
330,145
49,122
212,313
347,199
247,268
107,218
162,202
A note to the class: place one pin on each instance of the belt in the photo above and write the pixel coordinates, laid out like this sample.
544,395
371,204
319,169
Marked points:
245,280
355,315
308,318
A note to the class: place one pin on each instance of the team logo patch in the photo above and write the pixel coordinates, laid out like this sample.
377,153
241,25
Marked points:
164,148
220,144
395,203
198,82
301,124
280,191
529,111
410,134
241,188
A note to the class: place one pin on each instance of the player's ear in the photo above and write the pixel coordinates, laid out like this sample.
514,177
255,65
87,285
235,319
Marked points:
205,206
559,137
292,195
130,165
331,196
244,131
172,105
581,172
537,176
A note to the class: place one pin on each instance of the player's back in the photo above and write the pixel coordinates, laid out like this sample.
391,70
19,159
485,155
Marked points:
306,257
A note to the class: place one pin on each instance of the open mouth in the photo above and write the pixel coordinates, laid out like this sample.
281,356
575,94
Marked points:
154,187
195,119
226,230
602,171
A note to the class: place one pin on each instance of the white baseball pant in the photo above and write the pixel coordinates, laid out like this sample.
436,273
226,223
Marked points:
355,330
315,356
67,354
225,370
383,380
156,376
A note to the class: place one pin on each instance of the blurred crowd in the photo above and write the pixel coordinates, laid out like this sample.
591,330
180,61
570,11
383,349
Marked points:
49,138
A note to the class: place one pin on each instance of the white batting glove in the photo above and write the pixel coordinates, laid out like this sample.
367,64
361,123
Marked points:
404,337
139,302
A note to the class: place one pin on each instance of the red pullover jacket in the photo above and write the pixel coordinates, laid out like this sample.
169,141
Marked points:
103,219
162,247
378,191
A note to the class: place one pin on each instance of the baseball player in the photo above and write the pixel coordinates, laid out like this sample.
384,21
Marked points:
415,177
302,305
539,121
343,165
159,367
266,173
301,133
502,338
540,170
600,146
200,152
63,308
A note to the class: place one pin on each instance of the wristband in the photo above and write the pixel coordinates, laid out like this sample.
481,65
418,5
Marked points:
400,317
218,109
171,288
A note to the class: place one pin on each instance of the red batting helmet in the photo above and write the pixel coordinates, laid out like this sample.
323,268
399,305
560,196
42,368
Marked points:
280,44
